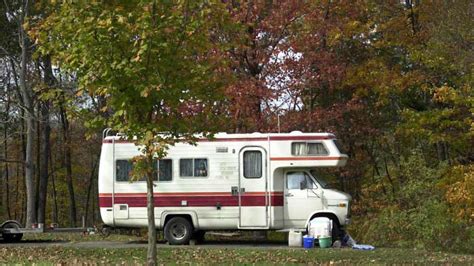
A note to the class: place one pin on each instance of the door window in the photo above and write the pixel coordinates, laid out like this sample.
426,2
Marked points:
252,164
299,180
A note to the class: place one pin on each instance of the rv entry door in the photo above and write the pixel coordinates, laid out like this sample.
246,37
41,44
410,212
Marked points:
253,198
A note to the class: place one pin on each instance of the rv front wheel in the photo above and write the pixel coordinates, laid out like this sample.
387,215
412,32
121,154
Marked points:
337,232
178,231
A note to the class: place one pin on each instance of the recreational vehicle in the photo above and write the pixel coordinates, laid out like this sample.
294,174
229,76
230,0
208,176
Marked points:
230,182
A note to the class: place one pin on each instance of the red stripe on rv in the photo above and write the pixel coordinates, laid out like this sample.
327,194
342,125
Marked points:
176,200
197,194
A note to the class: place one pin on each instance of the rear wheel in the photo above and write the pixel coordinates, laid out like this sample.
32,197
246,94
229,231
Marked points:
178,231
105,231
11,237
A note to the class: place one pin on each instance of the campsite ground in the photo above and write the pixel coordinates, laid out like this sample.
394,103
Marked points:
125,249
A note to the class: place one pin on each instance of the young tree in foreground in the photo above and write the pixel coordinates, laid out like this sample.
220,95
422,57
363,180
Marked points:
154,65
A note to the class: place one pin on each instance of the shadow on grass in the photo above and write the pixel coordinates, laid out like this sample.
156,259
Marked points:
226,243
35,241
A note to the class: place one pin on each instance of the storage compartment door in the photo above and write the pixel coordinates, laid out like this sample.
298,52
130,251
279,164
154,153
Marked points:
121,211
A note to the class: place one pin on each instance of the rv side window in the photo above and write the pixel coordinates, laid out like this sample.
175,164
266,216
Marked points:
193,167
186,167
311,148
123,171
252,164
165,167
200,167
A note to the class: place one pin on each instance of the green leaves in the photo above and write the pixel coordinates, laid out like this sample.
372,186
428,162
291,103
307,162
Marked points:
147,60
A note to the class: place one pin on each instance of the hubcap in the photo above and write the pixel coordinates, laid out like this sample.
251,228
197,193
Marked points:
178,231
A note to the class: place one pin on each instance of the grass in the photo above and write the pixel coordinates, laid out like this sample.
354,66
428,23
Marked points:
199,255
53,254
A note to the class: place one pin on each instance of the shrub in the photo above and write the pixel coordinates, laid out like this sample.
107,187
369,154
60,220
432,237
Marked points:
432,209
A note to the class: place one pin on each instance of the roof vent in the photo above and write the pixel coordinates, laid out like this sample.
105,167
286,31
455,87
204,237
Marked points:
296,132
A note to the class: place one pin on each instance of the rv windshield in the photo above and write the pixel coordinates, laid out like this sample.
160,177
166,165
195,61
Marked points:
323,183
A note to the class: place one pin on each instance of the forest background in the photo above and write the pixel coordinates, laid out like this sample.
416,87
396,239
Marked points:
391,79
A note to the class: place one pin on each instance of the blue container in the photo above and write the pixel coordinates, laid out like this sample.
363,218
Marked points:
308,241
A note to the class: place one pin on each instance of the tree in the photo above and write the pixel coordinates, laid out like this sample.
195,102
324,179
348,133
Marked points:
153,63
255,47
17,14
46,144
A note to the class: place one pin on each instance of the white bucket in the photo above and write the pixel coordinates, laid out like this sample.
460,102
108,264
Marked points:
295,239
320,227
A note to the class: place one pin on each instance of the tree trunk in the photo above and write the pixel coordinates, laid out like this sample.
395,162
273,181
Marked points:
53,192
45,147
68,165
30,123
6,173
44,173
38,155
151,253
18,200
89,188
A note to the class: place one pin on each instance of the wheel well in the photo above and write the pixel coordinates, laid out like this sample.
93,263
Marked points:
329,215
10,221
185,216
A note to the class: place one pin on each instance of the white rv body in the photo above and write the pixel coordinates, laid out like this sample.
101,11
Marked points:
234,181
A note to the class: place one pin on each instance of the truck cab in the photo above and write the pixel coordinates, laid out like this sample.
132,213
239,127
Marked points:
307,196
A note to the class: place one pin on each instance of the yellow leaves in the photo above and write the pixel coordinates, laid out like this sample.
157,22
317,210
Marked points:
459,191
121,19
444,94
26,26
137,58
459,96
334,37
145,92
143,47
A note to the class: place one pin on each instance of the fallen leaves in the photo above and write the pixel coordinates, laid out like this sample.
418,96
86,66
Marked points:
217,255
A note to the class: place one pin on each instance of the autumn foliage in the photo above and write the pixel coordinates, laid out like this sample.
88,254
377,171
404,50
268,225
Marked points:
391,79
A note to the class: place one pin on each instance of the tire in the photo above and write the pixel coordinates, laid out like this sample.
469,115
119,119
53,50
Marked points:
11,237
105,231
336,231
178,231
